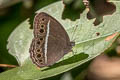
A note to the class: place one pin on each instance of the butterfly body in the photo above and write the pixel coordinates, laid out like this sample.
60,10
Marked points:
50,43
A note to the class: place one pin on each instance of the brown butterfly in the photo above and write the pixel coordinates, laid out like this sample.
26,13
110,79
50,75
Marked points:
50,43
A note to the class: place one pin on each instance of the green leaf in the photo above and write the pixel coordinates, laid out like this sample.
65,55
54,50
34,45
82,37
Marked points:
90,41
19,42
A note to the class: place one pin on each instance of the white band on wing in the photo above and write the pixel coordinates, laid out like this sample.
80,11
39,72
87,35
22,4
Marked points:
46,41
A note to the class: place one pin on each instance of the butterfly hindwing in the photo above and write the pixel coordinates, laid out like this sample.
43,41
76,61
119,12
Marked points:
50,43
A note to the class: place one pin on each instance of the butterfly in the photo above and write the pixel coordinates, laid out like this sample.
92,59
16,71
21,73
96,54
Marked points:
50,43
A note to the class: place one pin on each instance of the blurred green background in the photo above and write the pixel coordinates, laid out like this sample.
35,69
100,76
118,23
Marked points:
11,16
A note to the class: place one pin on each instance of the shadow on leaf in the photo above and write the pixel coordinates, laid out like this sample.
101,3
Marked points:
70,60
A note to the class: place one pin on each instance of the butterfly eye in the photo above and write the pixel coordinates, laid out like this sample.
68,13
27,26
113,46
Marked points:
41,30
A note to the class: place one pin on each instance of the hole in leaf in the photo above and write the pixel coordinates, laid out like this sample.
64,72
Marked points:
100,8
97,33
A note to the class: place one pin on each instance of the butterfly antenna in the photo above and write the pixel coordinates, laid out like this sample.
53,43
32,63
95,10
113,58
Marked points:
75,28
